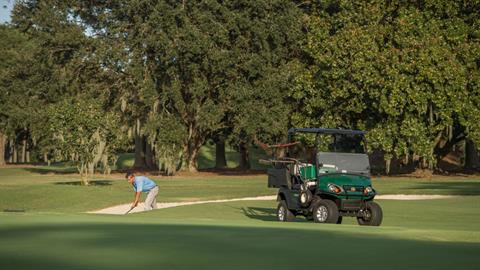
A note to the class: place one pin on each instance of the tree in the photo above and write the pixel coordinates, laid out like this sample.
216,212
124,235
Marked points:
64,67
265,61
83,129
16,100
185,60
407,72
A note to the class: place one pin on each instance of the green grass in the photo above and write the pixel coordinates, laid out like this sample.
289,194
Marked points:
440,186
437,234
125,160
67,195
206,157
54,191
54,233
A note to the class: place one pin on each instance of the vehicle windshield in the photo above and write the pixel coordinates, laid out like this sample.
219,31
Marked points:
347,144
309,143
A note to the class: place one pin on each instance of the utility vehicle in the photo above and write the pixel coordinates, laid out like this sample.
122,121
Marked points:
325,176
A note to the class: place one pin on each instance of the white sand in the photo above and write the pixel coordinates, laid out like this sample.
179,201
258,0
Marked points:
123,208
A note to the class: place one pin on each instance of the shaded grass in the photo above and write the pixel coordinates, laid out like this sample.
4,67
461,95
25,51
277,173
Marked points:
120,246
222,236
206,157
125,160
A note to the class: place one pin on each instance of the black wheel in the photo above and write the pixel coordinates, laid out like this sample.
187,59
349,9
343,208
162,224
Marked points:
372,215
325,211
283,213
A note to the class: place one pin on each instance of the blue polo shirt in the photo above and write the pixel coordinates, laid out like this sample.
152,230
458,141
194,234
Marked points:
143,184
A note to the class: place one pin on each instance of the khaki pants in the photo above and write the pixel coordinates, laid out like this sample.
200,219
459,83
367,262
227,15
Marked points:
151,200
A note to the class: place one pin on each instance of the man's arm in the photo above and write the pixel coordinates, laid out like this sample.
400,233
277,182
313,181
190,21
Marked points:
136,199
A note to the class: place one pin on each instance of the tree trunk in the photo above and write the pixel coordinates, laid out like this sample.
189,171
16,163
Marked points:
3,140
15,153
190,157
83,171
10,151
244,157
28,157
190,154
45,158
149,158
220,159
98,153
471,155
139,152
24,151
388,162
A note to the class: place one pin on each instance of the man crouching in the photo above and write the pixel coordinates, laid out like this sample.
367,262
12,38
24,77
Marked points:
143,184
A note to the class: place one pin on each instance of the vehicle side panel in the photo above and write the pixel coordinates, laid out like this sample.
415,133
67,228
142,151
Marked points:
291,197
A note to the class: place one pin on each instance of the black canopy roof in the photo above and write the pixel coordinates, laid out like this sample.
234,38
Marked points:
327,131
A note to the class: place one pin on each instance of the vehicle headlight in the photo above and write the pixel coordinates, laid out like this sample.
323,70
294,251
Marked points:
368,190
335,188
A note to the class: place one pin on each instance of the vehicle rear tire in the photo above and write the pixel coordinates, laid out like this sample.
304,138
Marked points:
373,215
283,213
325,211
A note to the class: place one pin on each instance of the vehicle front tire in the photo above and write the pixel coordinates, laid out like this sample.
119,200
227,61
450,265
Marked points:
283,213
325,211
373,215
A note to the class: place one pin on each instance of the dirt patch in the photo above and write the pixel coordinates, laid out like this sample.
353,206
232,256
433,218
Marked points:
123,208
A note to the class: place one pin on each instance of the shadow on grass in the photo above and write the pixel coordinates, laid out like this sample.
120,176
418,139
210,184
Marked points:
264,214
126,246
91,183
451,188
234,172
260,213
52,170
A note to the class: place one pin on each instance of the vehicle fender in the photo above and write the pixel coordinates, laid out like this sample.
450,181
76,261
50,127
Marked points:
290,197
323,196
281,196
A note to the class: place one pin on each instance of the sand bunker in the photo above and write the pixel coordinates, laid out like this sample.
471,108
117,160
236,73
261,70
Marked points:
123,208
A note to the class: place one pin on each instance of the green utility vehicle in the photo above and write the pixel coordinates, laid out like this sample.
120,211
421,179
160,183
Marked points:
324,177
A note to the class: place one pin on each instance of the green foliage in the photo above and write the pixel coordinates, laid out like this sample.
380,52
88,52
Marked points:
166,135
84,131
16,99
204,66
406,72
265,58
183,72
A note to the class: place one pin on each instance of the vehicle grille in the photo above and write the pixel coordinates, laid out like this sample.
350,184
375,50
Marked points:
351,204
353,189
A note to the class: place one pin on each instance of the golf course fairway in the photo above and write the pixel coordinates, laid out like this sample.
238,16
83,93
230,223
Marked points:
430,234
